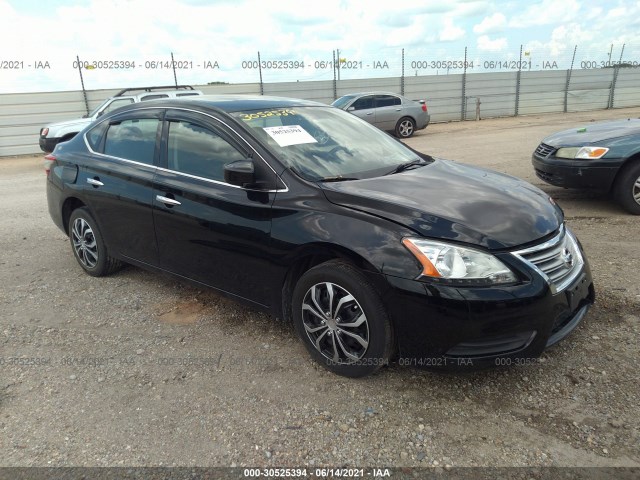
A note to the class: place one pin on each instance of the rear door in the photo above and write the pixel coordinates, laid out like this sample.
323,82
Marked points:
118,181
388,111
208,230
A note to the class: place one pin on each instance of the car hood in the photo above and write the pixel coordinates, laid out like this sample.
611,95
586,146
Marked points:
593,133
79,122
449,200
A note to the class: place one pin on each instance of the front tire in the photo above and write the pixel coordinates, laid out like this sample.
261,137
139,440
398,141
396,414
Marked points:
88,246
627,188
341,320
405,127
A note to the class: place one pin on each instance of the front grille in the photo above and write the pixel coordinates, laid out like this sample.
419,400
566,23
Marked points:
558,260
544,150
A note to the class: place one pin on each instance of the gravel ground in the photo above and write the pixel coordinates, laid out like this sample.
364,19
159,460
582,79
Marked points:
137,369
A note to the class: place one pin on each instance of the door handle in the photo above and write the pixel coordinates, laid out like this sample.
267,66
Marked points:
398,109
95,182
167,200
370,113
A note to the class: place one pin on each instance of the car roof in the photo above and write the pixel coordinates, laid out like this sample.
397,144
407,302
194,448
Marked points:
376,92
228,103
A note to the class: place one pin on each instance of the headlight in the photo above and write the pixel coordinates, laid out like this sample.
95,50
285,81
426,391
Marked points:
586,153
458,265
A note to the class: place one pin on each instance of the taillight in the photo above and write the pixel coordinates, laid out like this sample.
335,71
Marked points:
44,132
424,107
49,160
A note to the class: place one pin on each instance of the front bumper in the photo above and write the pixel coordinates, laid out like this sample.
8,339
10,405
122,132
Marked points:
48,144
471,328
588,174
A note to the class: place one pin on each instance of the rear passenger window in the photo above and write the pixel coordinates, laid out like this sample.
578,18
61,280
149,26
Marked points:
199,151
387,101
94,136
133,139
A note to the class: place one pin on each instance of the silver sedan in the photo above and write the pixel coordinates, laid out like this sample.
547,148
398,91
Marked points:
387,111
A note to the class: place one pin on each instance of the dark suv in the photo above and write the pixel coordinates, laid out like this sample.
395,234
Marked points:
372,249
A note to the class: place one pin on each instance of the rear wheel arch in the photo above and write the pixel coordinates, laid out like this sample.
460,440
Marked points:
68,207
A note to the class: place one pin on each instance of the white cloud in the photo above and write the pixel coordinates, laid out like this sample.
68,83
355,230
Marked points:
450,32
491,24
546,12
485,44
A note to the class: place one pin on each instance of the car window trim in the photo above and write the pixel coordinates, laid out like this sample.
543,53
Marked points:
164,111
233,140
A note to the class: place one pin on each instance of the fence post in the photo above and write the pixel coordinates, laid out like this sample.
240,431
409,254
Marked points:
260,71
173,64
84,92
402,77
616,69
566,87
463,107
335,85
518,82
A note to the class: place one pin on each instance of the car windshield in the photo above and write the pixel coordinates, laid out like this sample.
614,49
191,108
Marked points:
98,108
342,101
325,143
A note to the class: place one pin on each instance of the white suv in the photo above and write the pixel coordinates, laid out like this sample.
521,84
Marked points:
58,132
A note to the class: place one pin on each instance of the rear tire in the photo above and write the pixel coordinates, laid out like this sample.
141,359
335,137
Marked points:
341,319
88,246
405,127
626,189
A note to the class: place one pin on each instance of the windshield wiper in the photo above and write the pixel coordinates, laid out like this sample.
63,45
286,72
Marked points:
337,178
418,162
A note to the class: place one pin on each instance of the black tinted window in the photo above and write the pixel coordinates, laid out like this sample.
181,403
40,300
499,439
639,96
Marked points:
94,136
387,101
364,102
132,139
199,151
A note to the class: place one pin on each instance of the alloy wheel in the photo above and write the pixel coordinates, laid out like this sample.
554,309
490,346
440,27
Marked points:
84,243
335,323
406,128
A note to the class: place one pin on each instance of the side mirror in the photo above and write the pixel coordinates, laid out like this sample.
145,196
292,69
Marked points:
241,173
351,109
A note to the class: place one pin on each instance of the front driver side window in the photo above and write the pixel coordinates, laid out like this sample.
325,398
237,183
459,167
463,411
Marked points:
199,151
362,103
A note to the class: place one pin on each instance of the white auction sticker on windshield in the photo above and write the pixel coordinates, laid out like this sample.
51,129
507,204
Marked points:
289,135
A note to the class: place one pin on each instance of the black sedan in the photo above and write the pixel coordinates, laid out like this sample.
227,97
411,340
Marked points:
603,156
373,250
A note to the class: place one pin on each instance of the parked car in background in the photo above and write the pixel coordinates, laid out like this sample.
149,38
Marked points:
58,132
387,111
603,156
371,248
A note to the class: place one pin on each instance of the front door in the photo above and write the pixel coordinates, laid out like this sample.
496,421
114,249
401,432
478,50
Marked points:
208,230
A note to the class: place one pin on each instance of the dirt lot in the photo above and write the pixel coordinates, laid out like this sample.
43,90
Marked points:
137,369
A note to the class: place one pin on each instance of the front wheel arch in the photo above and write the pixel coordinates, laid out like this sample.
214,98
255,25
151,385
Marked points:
627,184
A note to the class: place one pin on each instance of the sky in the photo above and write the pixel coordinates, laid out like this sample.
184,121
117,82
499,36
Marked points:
219,41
